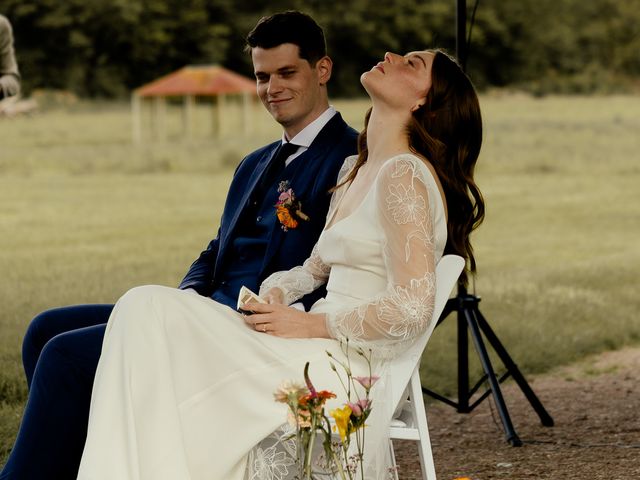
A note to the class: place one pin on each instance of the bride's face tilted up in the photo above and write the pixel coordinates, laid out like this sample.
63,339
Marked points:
400,82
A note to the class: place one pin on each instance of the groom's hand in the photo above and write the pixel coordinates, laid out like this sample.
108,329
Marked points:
283,321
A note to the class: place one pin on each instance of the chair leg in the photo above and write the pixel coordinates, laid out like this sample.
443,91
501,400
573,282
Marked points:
394,465
420,415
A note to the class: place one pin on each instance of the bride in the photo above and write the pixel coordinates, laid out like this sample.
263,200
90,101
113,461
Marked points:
184,384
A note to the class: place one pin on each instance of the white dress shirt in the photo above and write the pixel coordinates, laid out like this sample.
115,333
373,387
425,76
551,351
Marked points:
308,134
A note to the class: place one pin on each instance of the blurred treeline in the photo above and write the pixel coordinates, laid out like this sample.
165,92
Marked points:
104,48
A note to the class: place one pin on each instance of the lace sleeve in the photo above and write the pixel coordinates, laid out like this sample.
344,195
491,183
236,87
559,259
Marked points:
299,281
405,308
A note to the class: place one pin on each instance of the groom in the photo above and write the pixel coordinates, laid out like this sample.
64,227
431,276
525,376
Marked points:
255,238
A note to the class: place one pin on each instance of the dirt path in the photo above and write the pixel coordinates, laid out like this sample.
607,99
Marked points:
596,408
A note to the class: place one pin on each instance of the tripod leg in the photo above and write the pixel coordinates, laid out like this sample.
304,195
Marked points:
463,365
513,369
472,322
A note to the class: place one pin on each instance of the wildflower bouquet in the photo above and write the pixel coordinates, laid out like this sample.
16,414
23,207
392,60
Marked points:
307,415
288,207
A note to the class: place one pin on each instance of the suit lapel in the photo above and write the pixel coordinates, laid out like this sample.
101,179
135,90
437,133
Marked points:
246,194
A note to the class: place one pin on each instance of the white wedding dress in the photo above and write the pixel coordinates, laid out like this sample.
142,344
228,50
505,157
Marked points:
184,389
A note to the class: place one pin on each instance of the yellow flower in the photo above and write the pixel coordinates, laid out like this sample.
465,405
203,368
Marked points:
342,416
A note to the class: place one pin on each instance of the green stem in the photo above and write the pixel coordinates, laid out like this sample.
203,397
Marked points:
309,453
361,453
338,464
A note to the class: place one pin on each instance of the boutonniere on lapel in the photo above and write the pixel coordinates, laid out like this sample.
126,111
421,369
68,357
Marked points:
288,207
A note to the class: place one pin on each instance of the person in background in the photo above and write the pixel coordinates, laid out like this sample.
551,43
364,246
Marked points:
9,75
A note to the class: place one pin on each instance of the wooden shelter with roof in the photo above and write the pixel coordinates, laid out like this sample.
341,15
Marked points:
190,82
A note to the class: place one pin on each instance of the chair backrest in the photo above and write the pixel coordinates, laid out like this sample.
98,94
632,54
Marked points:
448,271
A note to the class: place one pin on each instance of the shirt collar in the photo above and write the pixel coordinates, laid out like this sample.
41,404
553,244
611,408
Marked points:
307,135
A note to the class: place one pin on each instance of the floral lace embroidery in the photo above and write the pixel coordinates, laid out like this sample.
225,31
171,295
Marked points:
275,457
406,205
406,309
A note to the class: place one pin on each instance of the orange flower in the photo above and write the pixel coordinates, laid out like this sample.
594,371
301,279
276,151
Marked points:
326,395
285,217
316,399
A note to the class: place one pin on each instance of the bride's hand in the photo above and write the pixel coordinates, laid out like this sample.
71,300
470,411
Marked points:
274,295
283,321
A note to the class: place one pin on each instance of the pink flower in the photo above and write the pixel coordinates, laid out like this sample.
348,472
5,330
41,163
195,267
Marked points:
359,407
367,382
284,196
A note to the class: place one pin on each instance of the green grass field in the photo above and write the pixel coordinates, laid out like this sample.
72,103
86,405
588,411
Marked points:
85,215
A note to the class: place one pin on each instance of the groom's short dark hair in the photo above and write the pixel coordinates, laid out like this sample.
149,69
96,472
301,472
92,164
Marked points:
289,27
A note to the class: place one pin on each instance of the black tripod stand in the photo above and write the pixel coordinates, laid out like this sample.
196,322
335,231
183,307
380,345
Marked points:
471,321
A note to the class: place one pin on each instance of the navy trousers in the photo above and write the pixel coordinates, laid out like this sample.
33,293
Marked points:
60,354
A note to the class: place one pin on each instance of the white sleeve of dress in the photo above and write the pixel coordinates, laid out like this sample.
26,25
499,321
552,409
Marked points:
298,281
405,308
304,279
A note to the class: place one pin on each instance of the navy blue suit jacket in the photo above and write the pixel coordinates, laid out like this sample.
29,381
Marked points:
311,184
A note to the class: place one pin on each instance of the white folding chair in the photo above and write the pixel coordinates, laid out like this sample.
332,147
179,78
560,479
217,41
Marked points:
410,420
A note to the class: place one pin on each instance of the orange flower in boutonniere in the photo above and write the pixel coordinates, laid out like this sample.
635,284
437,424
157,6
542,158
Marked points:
285,218
288,207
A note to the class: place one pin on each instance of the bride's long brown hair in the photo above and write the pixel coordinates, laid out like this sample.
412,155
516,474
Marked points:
447,131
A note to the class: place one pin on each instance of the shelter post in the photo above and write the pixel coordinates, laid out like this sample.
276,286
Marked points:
221,108
187,119
215,120
159,118
136,120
